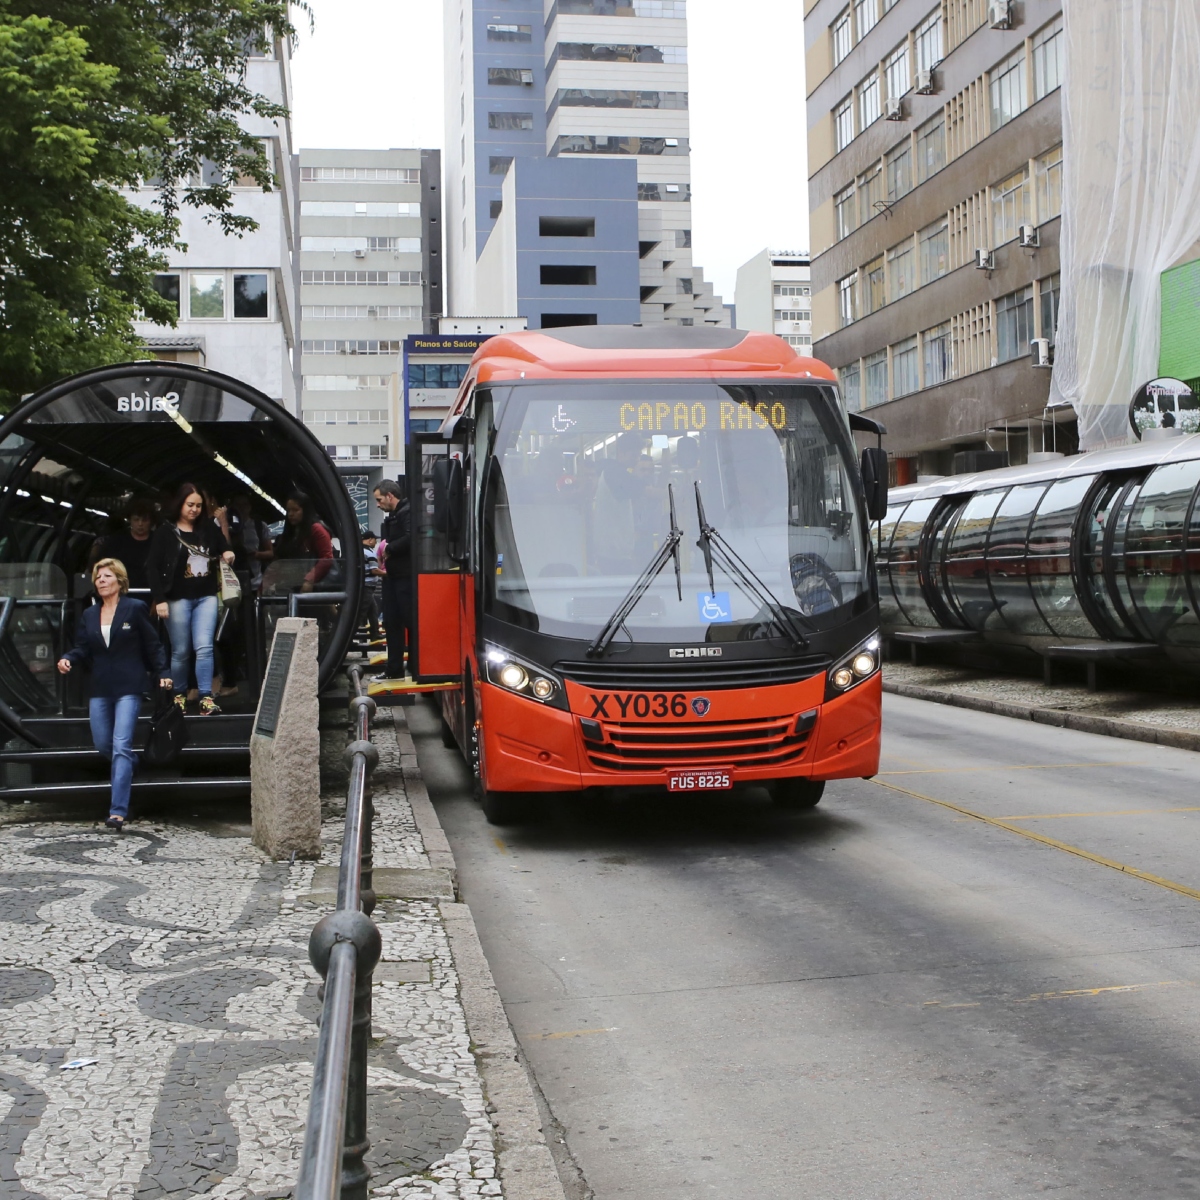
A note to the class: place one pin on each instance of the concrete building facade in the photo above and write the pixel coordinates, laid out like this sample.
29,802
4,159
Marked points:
774,295
236,296
572,81
370,277
936,177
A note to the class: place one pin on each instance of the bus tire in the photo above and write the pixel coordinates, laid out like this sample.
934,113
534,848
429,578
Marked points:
504,808
797,793
448,739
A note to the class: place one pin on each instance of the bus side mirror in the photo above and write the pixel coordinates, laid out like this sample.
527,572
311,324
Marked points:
875,482
448,487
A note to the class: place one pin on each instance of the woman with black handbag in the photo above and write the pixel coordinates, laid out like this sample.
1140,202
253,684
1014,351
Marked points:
185,578
117,639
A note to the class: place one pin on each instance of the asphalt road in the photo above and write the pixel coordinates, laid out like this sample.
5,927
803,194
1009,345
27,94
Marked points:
886,997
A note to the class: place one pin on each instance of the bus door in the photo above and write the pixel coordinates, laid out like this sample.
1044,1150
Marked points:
437,503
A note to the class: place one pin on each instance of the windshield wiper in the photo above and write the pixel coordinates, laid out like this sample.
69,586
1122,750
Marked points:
669,549
741,573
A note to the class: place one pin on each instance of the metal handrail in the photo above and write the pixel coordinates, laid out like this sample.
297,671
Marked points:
8,718
296,599
344,947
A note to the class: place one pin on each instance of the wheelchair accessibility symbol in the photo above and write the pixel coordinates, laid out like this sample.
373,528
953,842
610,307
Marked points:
714,606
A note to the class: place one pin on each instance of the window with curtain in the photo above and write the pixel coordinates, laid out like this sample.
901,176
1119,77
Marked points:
843,209
875,289
1010,207
847,300
931,148
1049,290
899,171
937,354
851,382
905,373
843,123
902,269
1014,324
934,242
875,368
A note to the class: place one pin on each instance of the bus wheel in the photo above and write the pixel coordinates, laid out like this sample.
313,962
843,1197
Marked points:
797,793
505,808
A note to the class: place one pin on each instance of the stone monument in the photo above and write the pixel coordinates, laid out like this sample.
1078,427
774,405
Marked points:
285,769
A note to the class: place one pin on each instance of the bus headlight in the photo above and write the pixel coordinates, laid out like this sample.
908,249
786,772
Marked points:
525,678
861,663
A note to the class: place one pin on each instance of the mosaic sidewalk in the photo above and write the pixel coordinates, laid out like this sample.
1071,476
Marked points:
177,961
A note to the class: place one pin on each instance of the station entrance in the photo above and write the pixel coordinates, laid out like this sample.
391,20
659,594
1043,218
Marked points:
75,460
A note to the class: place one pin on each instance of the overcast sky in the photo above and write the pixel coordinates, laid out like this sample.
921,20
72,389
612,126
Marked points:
370,75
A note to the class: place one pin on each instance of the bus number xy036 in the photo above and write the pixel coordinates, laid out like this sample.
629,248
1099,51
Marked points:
638,704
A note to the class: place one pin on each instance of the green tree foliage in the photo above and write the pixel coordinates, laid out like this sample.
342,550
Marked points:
98,96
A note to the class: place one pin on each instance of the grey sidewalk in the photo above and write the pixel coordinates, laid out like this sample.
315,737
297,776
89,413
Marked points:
175,956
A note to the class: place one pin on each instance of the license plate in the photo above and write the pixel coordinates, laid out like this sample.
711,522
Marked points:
715,779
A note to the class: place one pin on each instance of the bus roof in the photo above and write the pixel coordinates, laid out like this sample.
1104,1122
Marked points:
632,351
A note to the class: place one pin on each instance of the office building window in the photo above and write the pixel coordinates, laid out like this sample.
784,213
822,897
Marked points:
683,239
495,207
351,346
905,373
800,341
1014,324
899,171
436,375
870,193
510,120
843,212
934,241
587,143
843,40
357,208
610,52
896,71
1049,184
902,269
498,164
866,14
360,312
510,33
345,416
567,227
562,275
665,191
510,76
1007,83
1049,290
875,368
843,123
931,148
360,278
928,40
874,289
1049,49
206,296
345,383
167,286
868,100
793,314
791,289
616,98
250,299
851,382
937,354
556,320
1010,207
360,174
848,300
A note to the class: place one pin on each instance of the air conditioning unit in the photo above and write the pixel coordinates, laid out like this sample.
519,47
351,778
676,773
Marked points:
925,83
893,110
985,260
1000,14
360,254
1042,352
1031,239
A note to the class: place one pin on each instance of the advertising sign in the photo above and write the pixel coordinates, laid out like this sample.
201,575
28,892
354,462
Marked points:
1164,404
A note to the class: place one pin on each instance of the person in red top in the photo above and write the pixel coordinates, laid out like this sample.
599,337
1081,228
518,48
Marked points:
304,536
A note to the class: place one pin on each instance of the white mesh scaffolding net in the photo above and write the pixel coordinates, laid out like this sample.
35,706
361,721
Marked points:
1131,200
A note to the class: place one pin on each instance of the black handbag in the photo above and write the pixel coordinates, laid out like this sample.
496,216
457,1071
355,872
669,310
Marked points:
168,731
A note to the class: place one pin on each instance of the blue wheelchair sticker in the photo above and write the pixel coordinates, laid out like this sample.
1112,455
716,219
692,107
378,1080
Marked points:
714,606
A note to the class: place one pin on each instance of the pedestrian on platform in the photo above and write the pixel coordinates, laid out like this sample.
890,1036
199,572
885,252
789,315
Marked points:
184,582
305,538
397,579
131,547
372,575
119,642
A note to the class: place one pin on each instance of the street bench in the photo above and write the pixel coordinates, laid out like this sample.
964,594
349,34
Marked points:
1092,654
917,639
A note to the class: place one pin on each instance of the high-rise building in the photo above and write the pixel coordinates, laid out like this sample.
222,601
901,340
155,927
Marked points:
774,295
370,276
236,296
571,101
936,187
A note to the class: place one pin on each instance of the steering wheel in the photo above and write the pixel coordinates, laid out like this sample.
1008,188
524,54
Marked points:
818,589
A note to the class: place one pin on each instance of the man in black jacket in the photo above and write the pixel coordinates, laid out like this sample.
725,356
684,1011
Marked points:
397,582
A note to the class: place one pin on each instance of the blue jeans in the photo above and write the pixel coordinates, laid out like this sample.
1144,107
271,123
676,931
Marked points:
191,625
114,721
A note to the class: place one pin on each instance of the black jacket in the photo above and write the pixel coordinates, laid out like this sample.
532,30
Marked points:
166,550
120,668
397,532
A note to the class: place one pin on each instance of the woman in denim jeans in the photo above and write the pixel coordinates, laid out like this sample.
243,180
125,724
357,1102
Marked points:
118,641
184,579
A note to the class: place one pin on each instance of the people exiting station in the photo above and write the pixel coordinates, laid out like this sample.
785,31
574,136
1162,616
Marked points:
397,579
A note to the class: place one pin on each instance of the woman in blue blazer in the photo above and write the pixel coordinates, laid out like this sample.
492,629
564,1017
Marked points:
117,640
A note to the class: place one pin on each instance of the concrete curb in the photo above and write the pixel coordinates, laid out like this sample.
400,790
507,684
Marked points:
1179,739
527,1170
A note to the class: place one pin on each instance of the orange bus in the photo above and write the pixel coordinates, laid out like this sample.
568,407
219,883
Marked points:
642,559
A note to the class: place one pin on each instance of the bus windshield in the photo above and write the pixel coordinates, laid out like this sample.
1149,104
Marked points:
576,502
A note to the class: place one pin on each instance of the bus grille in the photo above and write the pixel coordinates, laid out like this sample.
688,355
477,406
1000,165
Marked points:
765,742
692,674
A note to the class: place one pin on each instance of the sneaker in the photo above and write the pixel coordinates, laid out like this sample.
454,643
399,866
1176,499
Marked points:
181,701
208,707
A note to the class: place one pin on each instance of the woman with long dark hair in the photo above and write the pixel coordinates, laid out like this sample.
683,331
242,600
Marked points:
184,580
303,537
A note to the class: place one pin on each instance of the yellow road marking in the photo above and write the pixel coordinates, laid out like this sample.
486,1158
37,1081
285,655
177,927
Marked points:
570,1033
1011,767
1125,812
1001,823
500,845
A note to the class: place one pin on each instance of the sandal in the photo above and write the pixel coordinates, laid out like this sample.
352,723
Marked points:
181,701
209,707
115,822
